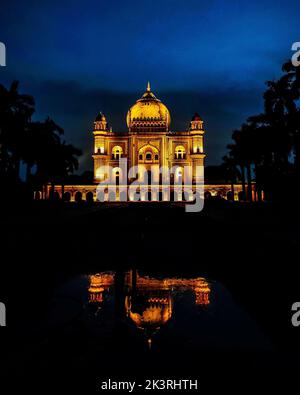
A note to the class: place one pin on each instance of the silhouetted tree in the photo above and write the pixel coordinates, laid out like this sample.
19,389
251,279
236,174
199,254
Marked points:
15,114
266,141
231,170
37,144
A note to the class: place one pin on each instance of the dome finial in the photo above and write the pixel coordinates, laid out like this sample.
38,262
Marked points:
148,87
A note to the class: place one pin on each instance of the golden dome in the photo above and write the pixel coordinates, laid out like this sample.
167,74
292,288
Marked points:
148,114
152,316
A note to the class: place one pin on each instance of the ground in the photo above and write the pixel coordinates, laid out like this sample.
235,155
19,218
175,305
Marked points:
252,249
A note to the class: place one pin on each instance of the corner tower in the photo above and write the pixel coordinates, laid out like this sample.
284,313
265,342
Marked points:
100,154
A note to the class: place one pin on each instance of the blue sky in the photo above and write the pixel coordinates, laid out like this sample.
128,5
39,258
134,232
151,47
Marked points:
213,57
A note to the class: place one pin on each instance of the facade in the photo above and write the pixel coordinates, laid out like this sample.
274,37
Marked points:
149,142
147,147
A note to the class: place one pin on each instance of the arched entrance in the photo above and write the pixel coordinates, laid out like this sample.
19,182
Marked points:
89,197
66,197
78,197
207,195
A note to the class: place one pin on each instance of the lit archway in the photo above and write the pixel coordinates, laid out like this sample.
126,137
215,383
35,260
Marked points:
117,152
117,175
180,152
148,154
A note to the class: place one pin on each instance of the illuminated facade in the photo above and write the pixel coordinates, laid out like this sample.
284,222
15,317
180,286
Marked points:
149,143
148,146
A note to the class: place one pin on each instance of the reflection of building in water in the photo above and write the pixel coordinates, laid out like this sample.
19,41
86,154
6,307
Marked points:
149,309
98,283
202,292
150,304
148,301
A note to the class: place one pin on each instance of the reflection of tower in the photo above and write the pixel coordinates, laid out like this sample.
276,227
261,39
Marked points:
202,292
96,289
98,283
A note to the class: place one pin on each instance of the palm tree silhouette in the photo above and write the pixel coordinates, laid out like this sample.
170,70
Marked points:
15,114
265,141
34,143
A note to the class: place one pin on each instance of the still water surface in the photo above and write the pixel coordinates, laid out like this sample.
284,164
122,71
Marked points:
141,312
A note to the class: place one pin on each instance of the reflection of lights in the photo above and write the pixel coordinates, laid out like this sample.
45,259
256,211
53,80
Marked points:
96,297
156,310
152,316
202,292
98,283
202,297
155,300
159,305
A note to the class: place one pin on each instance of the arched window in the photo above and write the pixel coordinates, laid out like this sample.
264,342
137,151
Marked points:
180,152
78,197
67,197
117,152
117,173
100,150
89,197
148,153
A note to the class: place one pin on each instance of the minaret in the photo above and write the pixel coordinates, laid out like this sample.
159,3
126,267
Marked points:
197,132
100,132
100,123
196,122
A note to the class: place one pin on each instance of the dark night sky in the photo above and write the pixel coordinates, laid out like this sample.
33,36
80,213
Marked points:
79,57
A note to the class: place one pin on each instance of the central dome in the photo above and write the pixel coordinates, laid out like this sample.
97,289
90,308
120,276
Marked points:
148,114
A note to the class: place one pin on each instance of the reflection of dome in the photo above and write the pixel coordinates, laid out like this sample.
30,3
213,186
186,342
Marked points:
153,316
148,113
149,312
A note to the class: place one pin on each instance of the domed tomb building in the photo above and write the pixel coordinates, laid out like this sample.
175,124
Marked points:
148,144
